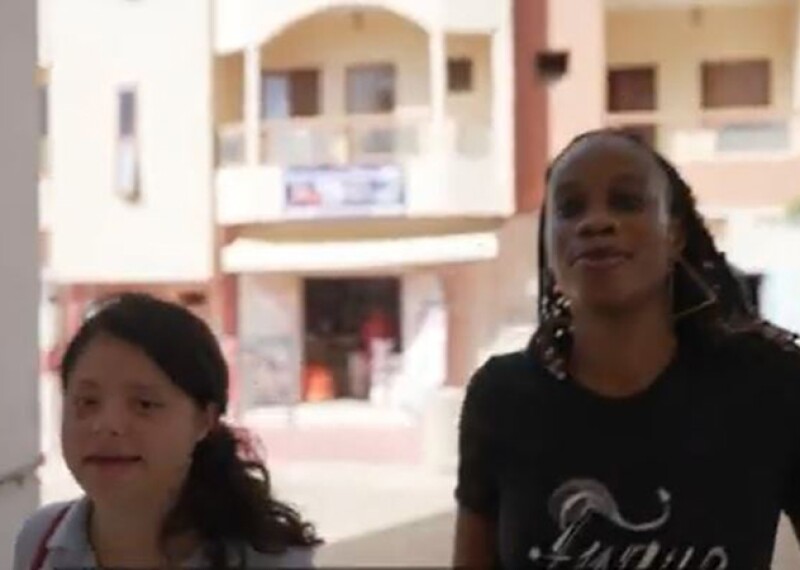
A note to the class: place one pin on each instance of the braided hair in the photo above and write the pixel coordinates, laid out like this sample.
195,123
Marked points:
703,279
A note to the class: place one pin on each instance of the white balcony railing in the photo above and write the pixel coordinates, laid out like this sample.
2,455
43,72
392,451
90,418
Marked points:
358,167
716,135
230,145
349,140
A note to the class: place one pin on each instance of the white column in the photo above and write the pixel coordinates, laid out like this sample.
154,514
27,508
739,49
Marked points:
437,55
502,127
19,266
252,100
796,79
439,133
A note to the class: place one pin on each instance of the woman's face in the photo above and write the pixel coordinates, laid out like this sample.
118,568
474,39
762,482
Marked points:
610,239
128,432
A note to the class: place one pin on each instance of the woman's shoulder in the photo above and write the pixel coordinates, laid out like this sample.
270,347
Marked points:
766,355
506,369
767,346
498,370
505,378
32,532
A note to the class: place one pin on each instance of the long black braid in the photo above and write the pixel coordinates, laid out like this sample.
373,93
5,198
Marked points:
702,262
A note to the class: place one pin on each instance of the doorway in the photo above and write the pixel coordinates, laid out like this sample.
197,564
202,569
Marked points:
352,337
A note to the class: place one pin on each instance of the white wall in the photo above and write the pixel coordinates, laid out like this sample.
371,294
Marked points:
44,38
164,48
424,340
270,335
475,15
485,299
577,100
238,22
19,407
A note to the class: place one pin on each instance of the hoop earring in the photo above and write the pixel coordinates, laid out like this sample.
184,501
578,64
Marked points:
709,294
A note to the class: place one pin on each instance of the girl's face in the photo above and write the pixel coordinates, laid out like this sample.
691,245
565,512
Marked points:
610,239
128,431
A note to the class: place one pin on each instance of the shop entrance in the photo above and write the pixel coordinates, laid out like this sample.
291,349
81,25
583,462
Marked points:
352,336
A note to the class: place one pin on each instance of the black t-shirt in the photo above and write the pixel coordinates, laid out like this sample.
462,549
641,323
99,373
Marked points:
691,473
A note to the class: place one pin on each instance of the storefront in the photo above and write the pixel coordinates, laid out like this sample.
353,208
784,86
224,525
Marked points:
352,339
346,321
377,338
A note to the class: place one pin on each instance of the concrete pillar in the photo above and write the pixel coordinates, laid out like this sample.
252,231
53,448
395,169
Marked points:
502,57
19,267
531,114
796,78
577,99
252,103
437,55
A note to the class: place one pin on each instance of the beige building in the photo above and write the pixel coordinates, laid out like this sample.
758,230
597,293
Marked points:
312,175
260,159
716,87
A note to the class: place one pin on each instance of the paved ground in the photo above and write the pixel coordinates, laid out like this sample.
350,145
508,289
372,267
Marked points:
369,515
426,542
375,506
374,515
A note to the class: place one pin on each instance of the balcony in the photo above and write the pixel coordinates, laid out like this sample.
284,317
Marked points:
729,135
363,113
362,166
733,158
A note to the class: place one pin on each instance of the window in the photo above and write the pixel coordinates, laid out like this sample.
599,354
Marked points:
290,94
371,89
552,65
632,89
127,167
736,83
459,75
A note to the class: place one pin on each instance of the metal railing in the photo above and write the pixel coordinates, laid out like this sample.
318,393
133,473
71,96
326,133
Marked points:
230,145
349,140
715,134
345,140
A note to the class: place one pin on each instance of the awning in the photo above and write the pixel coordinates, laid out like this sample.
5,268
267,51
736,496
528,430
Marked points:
246,255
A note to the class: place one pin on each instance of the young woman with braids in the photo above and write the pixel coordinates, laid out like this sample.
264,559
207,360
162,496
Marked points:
168,483
653,422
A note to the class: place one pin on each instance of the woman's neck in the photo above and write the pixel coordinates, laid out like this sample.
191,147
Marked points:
621,355
129,538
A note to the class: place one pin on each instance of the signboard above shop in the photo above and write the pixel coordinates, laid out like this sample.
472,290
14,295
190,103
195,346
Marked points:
344,191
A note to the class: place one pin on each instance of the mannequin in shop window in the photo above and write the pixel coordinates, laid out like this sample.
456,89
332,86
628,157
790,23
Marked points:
378,333
377,326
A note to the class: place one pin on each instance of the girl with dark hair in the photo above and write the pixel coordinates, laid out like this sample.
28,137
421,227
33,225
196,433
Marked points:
652,422
168,483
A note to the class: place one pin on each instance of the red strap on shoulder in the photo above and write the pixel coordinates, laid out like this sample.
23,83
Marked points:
41,551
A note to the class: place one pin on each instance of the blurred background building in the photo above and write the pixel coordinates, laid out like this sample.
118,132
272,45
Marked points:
348,190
